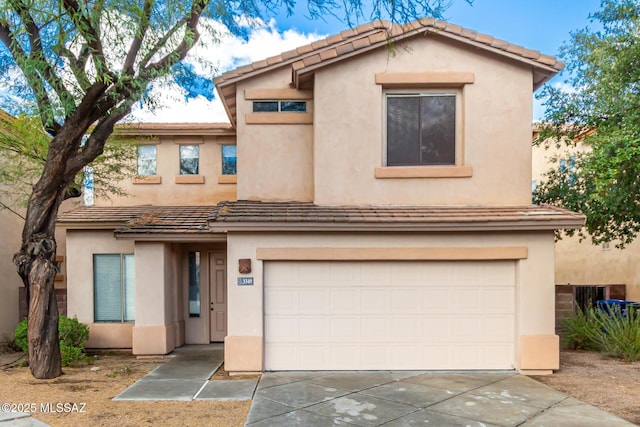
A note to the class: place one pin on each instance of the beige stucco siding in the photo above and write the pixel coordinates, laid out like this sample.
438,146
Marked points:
581,262
349,133
168,191
275,162
10,228
534,275
81,246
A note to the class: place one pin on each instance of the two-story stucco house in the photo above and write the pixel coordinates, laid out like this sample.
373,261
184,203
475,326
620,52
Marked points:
380,216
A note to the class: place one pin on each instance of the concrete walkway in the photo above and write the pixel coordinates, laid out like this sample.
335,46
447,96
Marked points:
186,377
395,399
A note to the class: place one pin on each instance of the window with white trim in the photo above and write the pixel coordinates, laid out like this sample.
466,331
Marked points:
189,159
114,288
147,160
421,129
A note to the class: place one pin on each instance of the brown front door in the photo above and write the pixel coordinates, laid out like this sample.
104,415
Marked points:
218,296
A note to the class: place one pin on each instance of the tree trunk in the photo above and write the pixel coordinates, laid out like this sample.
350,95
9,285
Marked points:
37,268
44,346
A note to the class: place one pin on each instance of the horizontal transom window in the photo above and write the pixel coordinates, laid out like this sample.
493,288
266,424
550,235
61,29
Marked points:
279,106
421,129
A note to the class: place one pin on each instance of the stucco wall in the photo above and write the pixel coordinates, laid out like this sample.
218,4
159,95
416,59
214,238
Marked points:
495,128
81,246
10,230
167,191
277,159
583,263
333,161
534,278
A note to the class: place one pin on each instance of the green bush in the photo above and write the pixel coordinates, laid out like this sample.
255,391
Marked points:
72,334
578,332
609,331
618,334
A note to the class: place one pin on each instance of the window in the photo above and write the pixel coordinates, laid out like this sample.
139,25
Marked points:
189,159
147,160
194,284
114,289
279,106
421,129
229,160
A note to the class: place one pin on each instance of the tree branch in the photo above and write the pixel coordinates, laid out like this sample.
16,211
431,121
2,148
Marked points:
37,54
189,39
145,20
22,60
91,35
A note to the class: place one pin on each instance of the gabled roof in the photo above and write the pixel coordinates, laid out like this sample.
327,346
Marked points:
306,59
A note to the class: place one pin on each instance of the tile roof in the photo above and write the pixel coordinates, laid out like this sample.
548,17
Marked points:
159,221
221,129
372,35
146,219
236,215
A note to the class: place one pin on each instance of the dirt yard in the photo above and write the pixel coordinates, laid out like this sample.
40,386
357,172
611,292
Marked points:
91,390
610,384
607,383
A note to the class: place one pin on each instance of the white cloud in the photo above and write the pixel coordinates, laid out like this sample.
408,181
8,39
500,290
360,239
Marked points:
208,59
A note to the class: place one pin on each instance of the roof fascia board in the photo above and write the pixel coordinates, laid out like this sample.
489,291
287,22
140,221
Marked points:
444,226
172,237
301,72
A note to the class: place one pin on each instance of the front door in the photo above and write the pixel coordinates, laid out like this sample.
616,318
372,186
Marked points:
217,296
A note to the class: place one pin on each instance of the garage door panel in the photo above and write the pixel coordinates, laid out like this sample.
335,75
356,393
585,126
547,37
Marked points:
282,329
280,301
404,301
375,274
405,274
314,329
389,315
312,301
345,301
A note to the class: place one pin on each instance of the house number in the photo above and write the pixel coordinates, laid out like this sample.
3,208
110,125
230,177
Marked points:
245,281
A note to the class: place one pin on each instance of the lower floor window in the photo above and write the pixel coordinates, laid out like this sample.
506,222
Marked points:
114,289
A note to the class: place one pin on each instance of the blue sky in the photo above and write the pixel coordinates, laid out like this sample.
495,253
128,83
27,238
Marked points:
536,24
542,25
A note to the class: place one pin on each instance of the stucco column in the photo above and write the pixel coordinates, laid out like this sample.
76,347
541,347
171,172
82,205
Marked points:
154,330
538,344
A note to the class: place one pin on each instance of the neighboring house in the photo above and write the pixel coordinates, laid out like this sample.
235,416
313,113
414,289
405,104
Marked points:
10,230
582,262
381,217
12,300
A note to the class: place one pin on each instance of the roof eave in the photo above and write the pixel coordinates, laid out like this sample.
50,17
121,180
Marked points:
527,225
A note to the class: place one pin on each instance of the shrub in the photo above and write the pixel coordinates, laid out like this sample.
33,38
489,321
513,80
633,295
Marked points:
618,333
578,332
610,331
72,336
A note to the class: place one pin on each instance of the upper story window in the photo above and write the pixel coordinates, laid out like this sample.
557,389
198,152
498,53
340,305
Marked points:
279,106
147,160
421,129
189,159
229,160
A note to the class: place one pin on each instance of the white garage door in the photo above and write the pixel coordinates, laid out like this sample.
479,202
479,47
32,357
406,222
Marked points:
389,315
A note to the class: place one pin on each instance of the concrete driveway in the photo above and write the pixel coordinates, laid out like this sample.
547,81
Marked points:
416,398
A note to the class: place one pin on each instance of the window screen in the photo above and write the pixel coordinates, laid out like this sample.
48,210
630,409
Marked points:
114,288
421,130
